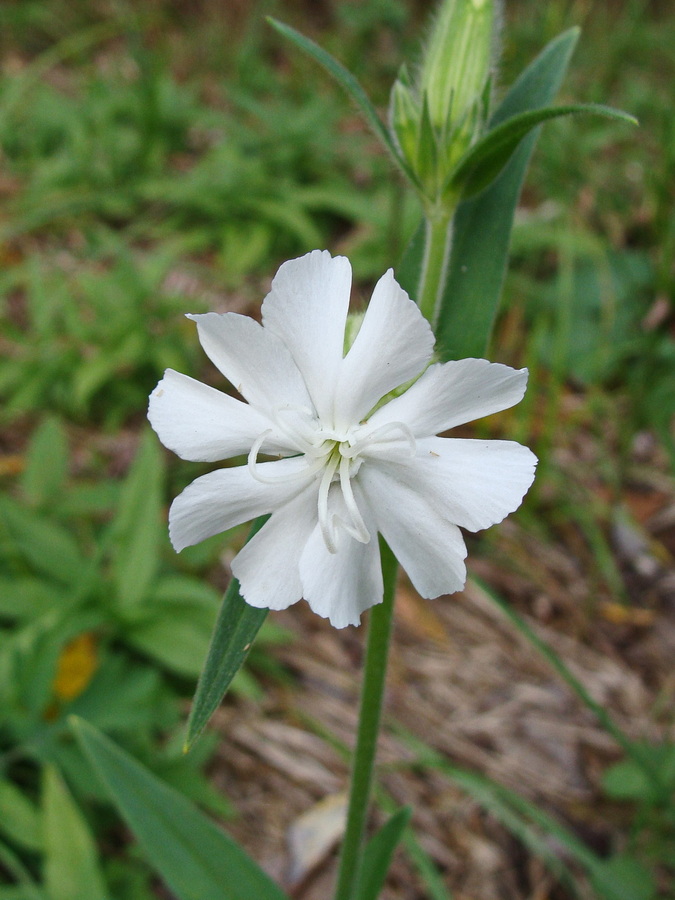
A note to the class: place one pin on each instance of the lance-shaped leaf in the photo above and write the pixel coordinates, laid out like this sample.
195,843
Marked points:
137,527
409,270
196,859
236,628
348,83
485,160
72,870
378,853
482,225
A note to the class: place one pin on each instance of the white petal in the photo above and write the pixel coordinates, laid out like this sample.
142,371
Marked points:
307,308
394,344
253,359
268,567
471,483
200,423
340,586
429,546
228,497
452,393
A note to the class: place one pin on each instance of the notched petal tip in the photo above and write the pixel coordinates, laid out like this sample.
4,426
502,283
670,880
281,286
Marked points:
337,617
523,471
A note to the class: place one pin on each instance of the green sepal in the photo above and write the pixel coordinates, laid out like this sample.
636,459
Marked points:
426,166
403,120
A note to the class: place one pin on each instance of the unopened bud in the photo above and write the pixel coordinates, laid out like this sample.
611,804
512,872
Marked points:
458,59
438,117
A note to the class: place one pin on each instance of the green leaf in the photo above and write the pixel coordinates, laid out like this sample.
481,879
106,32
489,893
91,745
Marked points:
19,819
348,83
622,877
25,888
185,589
35,651
236,628
378,853
46,463
71,860
196,859
138,525
91,375
175,634
48,548
628,780
22,599
21,892
124,696
485,160
482,225
409,270
185,775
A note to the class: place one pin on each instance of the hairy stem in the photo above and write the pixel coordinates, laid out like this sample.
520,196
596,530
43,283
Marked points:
370,714
438,244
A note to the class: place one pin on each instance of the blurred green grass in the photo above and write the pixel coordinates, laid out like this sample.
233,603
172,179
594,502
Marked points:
168,136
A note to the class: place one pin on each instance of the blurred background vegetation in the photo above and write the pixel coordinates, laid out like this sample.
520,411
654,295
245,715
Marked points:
163,157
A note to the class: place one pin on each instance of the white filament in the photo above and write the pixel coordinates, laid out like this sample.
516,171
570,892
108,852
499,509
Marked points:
338,458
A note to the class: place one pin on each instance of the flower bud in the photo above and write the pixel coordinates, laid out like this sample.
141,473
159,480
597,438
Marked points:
436,119
457,62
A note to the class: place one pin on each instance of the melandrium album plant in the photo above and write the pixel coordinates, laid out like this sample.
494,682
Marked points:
344,472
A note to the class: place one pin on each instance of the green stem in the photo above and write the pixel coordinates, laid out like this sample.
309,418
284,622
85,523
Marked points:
438,241
370,714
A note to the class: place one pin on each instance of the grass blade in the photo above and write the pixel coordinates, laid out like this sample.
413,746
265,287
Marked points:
632,749
533,827
378,853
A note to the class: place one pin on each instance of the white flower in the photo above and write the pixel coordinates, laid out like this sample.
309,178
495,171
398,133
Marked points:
340,472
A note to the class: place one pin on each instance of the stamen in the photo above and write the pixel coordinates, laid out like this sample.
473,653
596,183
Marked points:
380,436
254,468
324,522
358,528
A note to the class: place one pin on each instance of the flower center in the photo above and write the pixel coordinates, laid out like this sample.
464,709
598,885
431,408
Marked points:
335,458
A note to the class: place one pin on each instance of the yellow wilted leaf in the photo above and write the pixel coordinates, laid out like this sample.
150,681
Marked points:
77,664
